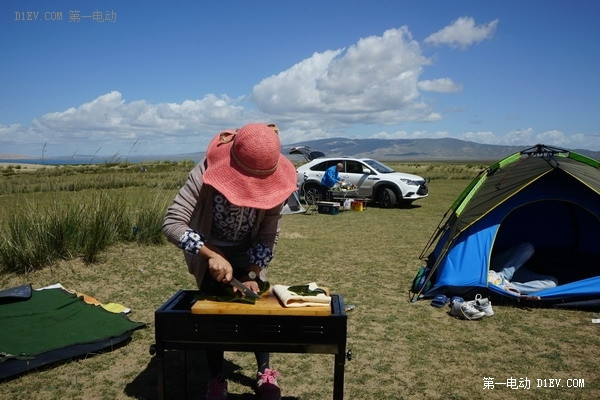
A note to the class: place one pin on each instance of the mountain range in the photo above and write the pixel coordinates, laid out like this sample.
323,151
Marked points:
445,149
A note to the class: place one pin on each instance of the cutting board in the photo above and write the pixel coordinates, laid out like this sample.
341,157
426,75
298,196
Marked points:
268,304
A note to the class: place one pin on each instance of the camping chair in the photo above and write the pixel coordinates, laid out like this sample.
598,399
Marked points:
309,198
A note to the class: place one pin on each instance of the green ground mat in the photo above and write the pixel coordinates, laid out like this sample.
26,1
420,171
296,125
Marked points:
53,319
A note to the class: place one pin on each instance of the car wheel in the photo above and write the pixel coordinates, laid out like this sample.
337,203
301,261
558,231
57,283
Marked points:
387,198
312,195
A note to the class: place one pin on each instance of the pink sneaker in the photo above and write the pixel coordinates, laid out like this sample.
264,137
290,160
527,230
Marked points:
266,385
217,388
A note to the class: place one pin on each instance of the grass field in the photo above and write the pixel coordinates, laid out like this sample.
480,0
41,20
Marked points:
401,350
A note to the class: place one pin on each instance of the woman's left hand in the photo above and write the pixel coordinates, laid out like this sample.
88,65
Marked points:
252,285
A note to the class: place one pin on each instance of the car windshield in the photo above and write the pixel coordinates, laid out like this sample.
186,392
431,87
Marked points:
379,167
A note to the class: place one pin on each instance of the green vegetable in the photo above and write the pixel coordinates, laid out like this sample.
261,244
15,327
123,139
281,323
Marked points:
226,294
303,290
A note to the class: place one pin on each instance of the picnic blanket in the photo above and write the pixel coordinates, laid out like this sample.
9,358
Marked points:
53,325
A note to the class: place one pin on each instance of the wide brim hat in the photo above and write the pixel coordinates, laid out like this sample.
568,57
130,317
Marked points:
247,167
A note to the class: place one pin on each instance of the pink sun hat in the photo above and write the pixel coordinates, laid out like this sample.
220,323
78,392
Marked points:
247,167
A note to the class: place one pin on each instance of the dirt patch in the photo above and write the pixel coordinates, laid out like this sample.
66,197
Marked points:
24,167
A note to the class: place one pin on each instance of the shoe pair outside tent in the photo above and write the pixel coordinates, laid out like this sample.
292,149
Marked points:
471,310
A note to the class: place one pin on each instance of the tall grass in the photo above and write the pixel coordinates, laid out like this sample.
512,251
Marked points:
104,221
74,211
39,232
69,178
148,223
36,234
26,243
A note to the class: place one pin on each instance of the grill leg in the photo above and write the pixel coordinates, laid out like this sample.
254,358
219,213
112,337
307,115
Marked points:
338,376
160,357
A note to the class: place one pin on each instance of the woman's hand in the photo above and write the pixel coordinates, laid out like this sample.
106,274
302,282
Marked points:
220,269
250,284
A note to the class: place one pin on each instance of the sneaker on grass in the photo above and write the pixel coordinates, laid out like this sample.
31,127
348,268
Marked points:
483,304
455,304
469,311
266,385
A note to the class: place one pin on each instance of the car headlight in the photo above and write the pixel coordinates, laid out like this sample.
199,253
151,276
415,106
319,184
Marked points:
410,182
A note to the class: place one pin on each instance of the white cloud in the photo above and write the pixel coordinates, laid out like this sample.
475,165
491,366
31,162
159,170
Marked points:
520,137
110,112
442,85
374,80
463,33
529,137
372,83
112,122
418,134
484,137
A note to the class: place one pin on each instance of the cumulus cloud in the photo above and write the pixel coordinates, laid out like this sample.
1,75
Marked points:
417,134
484,137
111,113
112,122
518,137
372,83
442,85
463,33
374,80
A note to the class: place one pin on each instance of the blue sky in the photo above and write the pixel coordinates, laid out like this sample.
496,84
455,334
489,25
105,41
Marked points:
154,77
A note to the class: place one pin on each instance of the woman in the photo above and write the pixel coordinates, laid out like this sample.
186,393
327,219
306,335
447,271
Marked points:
226,219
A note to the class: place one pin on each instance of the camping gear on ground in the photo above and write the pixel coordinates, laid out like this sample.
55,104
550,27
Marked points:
292,205
18,293
483,304
465,310
54,325
328,207
470,310
543,195
439,301
356,205
347,204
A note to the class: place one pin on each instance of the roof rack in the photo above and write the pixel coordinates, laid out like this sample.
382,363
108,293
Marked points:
541,150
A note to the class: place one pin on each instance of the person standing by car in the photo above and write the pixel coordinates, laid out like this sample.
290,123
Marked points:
332,176
226,220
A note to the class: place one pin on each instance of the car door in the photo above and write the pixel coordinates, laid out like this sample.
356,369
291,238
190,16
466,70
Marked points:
317,171
359,175
351,172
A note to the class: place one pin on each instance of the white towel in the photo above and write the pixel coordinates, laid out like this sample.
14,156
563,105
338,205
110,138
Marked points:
291,299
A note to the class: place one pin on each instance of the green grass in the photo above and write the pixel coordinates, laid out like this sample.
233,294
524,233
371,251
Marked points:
401,350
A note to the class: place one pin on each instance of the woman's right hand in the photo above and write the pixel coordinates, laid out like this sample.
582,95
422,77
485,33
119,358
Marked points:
220,269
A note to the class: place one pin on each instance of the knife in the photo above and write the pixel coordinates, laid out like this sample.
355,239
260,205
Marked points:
245,291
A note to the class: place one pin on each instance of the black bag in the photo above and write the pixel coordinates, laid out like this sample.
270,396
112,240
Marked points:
18,293
419,284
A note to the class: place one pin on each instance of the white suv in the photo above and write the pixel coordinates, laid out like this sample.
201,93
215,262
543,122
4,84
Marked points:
374,180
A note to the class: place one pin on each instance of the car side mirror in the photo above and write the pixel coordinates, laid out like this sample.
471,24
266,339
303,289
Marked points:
366,171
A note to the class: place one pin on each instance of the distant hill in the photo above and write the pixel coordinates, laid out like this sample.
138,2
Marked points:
445,149
417,149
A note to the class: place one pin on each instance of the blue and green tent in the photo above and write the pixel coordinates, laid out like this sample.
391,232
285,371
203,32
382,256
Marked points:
547,196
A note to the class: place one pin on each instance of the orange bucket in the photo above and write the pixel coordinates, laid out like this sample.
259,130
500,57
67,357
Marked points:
356,205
